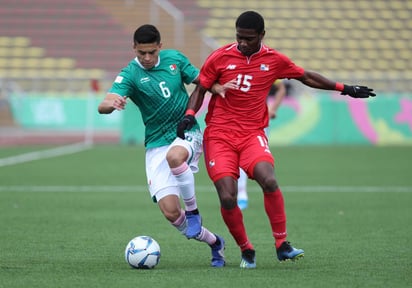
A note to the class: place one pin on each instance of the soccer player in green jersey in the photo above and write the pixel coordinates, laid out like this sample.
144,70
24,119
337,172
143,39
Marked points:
155,82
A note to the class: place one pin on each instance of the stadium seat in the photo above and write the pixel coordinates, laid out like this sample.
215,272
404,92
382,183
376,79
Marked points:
80,34
53,36
339,36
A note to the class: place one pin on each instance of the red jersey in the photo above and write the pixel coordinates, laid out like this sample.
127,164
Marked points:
245,108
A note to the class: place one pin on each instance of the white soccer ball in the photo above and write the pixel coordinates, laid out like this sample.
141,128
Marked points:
142,252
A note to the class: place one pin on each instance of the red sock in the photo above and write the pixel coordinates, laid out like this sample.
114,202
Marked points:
275,209
234,222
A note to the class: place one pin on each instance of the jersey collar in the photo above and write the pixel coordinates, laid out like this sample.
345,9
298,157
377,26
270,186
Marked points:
141,66
250,57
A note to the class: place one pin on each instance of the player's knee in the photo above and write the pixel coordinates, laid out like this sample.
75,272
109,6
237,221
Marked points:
176,156
227,190
269,184
229,204
227,201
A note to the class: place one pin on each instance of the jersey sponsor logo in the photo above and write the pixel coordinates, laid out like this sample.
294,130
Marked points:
144,79
118,79
264,67
231,67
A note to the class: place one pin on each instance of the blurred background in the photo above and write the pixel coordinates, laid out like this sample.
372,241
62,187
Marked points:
59,57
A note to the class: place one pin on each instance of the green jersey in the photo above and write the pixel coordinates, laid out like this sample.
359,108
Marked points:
159,93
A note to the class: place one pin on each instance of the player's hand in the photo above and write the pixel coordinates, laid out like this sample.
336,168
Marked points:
272,114
119,103
221,89
186,124
358,91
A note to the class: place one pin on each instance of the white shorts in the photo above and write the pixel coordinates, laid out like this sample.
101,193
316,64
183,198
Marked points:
161,181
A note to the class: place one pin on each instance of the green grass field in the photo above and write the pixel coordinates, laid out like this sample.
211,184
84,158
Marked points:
65,222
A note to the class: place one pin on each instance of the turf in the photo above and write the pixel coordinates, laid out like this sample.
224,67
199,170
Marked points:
65,222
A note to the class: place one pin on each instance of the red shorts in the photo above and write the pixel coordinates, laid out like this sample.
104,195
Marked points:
227,150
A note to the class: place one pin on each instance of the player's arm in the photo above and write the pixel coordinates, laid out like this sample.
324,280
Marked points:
194,104
278,97
112,102
196,97
315,80
196,101
198,94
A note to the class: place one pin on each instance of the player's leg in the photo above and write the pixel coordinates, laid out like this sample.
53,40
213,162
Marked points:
217,245
223,171
275,210
233,218
165,191
182,158
261,164
163,187
242,198
176,158
169,204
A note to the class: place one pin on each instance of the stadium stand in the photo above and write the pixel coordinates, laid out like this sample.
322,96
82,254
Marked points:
135,13
73,39
58,47
363,41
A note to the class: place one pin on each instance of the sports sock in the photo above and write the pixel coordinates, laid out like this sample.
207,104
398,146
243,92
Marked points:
206,236
275,210
181,223
234,222
186,182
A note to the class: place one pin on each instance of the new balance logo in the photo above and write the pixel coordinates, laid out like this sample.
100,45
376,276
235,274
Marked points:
231,67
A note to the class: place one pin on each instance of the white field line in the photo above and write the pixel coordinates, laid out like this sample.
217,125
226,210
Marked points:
43,154
141,188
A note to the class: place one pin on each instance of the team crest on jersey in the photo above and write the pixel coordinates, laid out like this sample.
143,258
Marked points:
264,67
212,163
173,68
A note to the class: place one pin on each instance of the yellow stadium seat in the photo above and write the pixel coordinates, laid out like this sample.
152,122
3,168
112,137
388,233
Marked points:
20,41
6,41
405,54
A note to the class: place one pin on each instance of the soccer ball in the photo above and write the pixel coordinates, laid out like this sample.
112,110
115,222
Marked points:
142,252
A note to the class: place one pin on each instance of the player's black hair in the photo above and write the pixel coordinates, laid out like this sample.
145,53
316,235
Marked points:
146,34
251,20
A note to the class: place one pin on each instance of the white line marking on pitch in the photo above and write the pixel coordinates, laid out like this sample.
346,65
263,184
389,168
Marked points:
142,188
49,153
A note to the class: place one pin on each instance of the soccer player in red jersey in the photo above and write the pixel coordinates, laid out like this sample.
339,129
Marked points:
237,115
